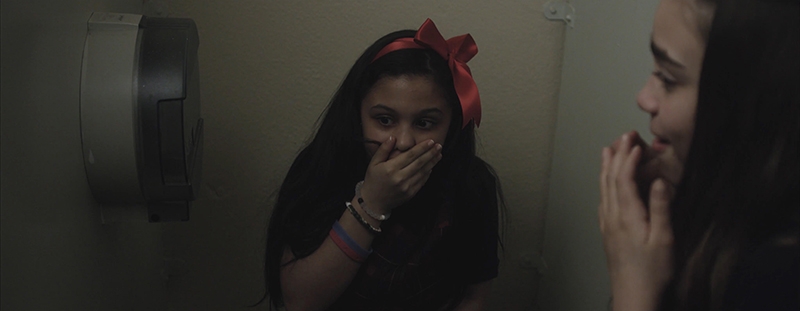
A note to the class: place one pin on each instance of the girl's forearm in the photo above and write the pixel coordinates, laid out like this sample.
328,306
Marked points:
316,281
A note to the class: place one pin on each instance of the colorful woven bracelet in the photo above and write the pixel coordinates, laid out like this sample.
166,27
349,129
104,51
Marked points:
346,243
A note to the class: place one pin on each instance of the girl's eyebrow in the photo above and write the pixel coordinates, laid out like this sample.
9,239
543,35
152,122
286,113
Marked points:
382,107
431,111
423,112
661,55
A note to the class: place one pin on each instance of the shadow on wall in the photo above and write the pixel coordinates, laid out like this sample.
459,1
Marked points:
56,255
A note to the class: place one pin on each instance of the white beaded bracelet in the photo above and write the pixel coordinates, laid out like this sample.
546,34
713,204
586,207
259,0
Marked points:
372,214
360,219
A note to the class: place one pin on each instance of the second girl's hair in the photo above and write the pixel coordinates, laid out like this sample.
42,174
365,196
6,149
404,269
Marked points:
740,184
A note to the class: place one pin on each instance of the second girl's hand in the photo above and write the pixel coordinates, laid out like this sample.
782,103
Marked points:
649,166
637,239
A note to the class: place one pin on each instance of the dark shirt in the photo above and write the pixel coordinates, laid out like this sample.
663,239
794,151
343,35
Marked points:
767,278
430,250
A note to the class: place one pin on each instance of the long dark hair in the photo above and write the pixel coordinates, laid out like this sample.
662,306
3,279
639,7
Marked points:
740,187
324,173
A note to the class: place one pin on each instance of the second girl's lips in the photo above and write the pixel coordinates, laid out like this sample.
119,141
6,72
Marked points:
660,144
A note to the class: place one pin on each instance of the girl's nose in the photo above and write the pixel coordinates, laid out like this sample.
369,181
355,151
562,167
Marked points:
646,99
405,138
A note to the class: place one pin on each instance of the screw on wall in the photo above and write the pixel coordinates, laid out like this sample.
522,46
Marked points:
155,8
560,10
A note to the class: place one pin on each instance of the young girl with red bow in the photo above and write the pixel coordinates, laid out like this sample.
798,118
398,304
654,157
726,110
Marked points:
388,207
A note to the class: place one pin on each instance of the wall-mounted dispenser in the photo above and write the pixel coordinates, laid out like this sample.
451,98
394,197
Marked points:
140,116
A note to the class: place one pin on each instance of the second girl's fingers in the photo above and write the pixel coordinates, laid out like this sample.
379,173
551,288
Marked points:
613,179
660,197
620,153
632,135
627,169
628,193
602,209
649,168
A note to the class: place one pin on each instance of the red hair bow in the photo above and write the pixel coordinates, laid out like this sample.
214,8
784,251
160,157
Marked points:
457,51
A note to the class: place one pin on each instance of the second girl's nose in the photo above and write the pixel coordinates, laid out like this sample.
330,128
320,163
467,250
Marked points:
646,98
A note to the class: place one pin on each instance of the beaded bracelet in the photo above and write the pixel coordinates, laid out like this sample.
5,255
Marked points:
360,219
346,243
372,214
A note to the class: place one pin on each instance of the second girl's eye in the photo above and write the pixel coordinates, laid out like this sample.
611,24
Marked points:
666,81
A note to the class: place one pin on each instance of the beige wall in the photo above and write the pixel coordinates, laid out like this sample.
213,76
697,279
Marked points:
606,61
268,69
56,255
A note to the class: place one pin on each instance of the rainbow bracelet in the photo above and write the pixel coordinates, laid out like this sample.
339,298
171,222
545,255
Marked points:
346,243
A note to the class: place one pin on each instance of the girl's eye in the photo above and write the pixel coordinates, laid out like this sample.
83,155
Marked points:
384,120
668,83
425,124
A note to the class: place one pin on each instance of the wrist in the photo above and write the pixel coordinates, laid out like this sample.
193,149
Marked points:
372,228
374,211
632,297
360,209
